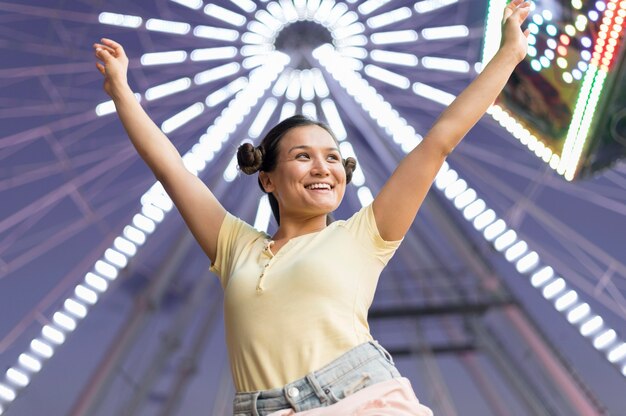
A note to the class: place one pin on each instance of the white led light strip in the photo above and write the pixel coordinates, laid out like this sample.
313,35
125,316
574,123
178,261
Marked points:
183,84
155,204
336,17
485,220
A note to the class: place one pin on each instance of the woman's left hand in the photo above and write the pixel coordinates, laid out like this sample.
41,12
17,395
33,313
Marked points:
514,40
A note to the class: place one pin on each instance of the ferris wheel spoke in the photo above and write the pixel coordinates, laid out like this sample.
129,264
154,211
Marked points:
564,235
60,233
608,199
31,174
36,132
54,196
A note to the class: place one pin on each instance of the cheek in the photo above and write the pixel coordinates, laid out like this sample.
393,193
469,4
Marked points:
294,170
340,174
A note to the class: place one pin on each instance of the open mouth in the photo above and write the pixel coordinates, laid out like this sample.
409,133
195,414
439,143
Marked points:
319,187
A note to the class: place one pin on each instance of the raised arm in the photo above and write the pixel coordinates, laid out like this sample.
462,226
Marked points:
200,209
399,200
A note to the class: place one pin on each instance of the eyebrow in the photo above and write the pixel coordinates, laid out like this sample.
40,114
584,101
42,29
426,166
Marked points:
309,148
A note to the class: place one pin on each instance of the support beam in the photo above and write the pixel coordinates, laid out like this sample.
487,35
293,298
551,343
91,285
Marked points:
434,349
402,311
525,389
169,343
508,367
189,363
576,395
485,384
89,400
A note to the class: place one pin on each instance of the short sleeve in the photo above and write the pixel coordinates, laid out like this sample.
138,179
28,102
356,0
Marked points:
363,226
233,235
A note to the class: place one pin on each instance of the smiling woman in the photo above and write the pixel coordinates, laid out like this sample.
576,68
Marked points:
298,139
296,303
326,352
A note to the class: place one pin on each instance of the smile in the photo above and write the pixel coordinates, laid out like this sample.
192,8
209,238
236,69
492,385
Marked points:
319,186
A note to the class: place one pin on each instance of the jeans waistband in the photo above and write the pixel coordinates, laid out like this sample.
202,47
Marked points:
315,389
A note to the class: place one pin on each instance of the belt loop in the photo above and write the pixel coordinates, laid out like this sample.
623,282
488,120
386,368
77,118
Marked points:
383,351
319,392
255,410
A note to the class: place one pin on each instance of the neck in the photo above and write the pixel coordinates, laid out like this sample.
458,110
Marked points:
294,227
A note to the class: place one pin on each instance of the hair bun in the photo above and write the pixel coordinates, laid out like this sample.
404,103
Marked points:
349,165
249,158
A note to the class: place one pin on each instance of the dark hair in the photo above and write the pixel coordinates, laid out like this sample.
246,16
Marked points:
265,156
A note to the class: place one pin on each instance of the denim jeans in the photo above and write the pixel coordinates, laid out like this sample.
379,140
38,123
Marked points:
362,366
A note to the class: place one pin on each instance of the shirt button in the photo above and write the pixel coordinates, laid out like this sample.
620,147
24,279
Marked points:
267,265
293,392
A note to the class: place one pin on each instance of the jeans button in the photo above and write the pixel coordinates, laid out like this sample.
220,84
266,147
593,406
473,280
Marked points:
293,392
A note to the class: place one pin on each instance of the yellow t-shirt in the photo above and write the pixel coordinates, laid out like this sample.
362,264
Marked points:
290,314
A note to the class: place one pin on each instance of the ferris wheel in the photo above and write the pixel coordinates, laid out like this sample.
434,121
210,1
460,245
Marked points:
511,281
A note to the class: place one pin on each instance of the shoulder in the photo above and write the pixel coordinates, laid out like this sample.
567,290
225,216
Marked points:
238,228
235,237
364,217
363,223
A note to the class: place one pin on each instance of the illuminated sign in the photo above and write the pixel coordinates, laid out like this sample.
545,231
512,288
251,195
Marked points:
566,95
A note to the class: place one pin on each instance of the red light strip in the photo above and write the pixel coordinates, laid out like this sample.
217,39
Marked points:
610,35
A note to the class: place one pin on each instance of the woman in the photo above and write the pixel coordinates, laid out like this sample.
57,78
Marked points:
296,303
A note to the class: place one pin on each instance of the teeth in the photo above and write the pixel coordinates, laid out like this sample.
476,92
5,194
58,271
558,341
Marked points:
318,186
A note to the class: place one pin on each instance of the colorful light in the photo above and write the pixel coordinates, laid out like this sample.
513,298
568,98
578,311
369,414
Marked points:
588,66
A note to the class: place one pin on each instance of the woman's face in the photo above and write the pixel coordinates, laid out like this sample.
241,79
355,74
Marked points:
309,178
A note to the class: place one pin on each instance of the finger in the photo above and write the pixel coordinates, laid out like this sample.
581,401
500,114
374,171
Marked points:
522,13
113,44
513,7
100,68
103,55
524,6
101,46
98,49
508,11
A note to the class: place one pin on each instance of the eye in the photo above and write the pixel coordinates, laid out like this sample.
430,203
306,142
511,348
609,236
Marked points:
334,157
302,156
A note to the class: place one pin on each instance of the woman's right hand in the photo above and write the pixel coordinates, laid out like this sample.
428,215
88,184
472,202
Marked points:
201,210
112,64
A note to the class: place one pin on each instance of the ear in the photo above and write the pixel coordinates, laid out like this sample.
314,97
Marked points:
266,181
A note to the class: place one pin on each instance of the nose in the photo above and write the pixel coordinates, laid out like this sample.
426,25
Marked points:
320,168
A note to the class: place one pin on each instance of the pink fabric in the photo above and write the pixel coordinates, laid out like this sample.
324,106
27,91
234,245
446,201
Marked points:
389,398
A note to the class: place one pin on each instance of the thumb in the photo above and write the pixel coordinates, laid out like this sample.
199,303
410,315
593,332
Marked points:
507,13
101,68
